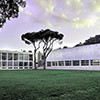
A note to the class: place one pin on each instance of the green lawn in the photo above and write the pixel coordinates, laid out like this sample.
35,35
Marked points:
49,85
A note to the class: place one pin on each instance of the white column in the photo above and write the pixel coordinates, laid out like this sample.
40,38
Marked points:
80,63
71,63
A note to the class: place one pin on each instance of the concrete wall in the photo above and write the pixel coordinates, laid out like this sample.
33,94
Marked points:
10,64
88,52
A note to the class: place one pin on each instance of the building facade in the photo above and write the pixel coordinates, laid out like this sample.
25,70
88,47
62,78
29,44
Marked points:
16,60
76,58
82,58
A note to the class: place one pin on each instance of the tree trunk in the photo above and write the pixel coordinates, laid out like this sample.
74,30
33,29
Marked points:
35,59
44,62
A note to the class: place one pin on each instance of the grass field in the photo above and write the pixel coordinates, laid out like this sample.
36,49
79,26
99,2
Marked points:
49,85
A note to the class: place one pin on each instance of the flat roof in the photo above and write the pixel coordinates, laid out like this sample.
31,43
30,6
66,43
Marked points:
80,52
10,51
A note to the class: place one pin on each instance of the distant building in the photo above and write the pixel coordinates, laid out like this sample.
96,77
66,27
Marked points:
16,60
82,57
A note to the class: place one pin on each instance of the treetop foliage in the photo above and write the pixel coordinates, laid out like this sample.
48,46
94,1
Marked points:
48,35
43,35
91,40
9,9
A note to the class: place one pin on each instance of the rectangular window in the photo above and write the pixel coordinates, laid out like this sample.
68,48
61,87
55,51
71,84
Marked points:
20,63
9,67
30,63
15,67
25,56
15,56
4,67
84,62
4,63
95,62
30,67
26,68
54,63
10,56
25,63
9,63
76,63
20,56
30,57
61,63
20,67
0,56
4,56
67,63
16,63
49,64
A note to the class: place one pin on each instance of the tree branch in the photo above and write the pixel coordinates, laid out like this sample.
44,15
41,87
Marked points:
48,53
38,45
34,45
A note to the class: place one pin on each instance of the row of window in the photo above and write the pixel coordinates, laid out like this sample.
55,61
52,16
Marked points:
17,68
15,63
15,56
74,63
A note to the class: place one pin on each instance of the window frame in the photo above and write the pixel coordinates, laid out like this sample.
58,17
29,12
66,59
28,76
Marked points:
10,56
4,56
48,63
76,62
84,62
61,63
68,63
54,63
97,63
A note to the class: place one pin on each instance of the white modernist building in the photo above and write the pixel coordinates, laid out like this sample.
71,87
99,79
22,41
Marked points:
77,58
82,58
16,60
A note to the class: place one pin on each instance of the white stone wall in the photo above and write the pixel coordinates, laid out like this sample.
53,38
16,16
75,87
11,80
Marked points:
88,52
15,67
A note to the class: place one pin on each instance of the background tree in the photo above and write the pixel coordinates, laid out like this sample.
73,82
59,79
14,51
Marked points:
9,9
80,44
91,40
32,38
48,37
65,47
